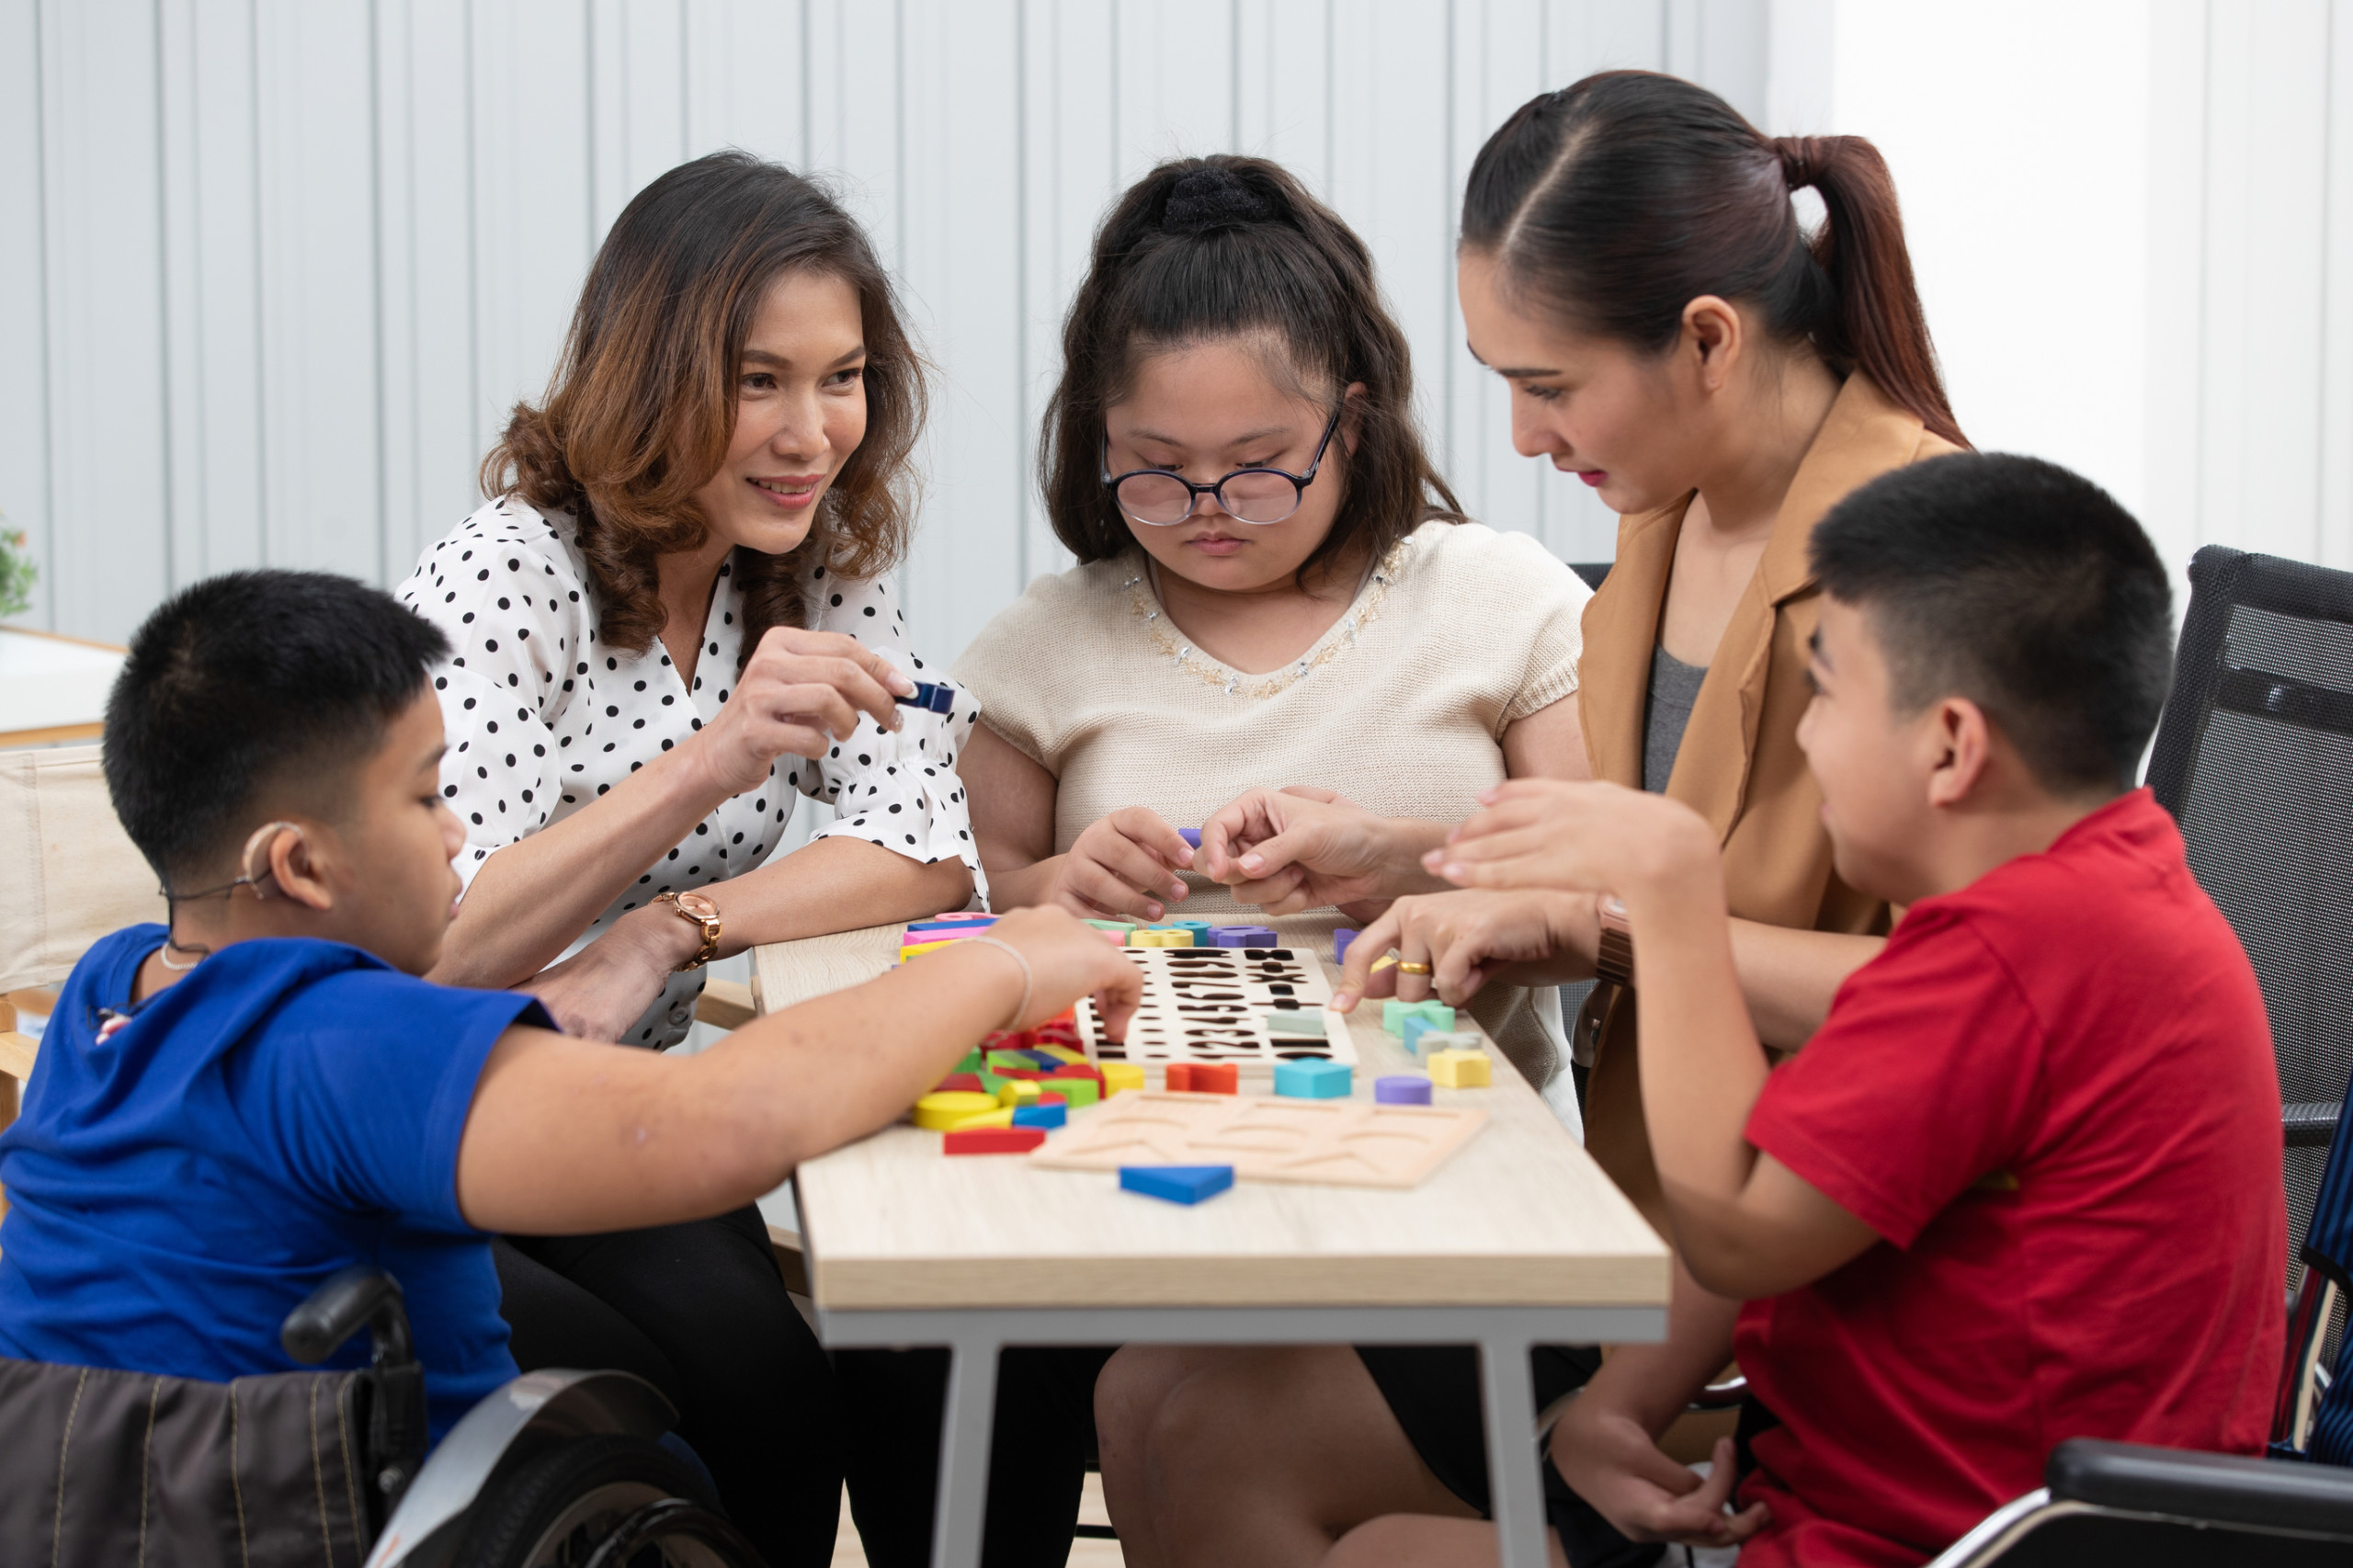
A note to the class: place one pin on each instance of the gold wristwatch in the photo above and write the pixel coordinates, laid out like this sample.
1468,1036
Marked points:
1614,959
696,909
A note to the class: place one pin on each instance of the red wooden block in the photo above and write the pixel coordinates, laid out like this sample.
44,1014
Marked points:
1216,1078
966,1081
993,1141
1077,1070
1032,1074
1180,1076
1053,1099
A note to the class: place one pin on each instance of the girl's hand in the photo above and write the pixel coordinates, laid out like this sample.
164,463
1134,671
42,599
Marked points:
1612,1463
1541,833
1465,937
1123,867
1302,847
801,692
1068,959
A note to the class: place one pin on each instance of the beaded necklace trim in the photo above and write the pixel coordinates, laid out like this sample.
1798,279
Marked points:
1144,605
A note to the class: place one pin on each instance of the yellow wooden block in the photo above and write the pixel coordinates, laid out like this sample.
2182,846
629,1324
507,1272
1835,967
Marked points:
1119,1075
943,1110
1460,1069
1063,1053
914,949
1001,1117
1016,1092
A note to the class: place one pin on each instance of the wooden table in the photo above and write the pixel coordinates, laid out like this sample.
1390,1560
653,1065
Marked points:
1520,1240
53,688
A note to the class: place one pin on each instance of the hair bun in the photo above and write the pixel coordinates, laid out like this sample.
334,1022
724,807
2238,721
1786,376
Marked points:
1209,199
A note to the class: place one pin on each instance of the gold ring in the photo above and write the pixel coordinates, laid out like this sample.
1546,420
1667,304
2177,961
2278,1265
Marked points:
1407,967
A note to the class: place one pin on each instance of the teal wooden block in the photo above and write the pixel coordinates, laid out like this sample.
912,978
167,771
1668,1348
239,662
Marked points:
1394,1012
1314,1080
1305,1022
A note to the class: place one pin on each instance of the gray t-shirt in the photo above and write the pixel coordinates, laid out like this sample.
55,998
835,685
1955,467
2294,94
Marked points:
1674,686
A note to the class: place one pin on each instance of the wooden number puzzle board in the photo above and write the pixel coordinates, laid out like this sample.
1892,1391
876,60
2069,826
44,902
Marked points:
1209,1004
1337,1143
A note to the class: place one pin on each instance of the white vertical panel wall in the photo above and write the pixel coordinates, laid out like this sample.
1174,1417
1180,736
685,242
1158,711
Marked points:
273,271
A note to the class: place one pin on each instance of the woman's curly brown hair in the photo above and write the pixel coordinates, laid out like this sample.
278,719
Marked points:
642,407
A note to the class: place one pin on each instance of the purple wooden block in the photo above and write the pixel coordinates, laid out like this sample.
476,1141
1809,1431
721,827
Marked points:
1340,940
1402,1088
1191,836
1243,937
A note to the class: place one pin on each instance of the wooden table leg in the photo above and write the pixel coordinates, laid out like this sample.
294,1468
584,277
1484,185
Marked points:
964,1437
1515,1487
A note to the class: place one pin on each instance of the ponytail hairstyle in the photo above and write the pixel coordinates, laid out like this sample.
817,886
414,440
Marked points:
642,407
1206,249
1618,201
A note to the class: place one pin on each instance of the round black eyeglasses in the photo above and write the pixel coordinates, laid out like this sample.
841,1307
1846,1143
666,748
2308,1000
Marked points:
1161,499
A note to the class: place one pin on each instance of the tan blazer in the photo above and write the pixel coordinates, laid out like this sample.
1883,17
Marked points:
1739,764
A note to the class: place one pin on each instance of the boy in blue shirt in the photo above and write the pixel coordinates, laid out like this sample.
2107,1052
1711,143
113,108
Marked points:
229,1109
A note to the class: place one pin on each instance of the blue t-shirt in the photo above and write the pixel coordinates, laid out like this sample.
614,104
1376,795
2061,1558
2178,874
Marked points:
289,1107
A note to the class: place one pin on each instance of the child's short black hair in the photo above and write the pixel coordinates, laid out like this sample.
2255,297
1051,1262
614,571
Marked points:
239,681
2021,587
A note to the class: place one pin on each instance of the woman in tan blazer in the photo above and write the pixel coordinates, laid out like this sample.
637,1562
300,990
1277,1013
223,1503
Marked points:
1632,265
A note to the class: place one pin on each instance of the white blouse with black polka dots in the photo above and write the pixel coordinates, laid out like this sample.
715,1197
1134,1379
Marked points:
542,718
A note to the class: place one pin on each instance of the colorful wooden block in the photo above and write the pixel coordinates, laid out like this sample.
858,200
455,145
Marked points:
1064,1055
1018,1091
1461,1069
1159,936
1394,1012
1191,836
1080,1091
1177,1184
1314,1080
1178,1077
993,1141
1120,1076
1041,1115
1122,926
917,949
1001,1117
932,698
965,1082
1411,1028
1431,1041
1026,1075
944,1109
999,1060
973,1062
953,922
1216,1078
1303,1021
1340,940
1244,936
1402,1088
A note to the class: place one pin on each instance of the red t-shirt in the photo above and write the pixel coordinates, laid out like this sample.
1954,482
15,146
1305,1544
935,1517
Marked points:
2053,1097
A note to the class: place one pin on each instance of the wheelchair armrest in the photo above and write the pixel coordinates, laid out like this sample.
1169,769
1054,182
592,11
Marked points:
361,1296
2221,1488
2309,1125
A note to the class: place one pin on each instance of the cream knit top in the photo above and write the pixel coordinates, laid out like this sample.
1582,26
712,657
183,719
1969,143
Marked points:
1458,633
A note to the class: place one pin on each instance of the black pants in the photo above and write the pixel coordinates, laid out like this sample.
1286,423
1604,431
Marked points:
699,1311
893,1405
1433,1391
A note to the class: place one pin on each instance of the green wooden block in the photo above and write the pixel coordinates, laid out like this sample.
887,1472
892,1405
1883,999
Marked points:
1019,1061
1122,926
1079,1092
1394,1012
1307,1021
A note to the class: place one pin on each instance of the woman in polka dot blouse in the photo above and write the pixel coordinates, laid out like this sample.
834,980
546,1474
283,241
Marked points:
669,625
652,665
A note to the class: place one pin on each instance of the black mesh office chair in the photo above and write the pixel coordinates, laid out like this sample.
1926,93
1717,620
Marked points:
2254,758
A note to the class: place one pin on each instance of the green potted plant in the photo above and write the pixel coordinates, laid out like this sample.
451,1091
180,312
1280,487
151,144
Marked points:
17,573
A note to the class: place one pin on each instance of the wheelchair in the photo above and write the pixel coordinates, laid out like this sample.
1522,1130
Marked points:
329,1470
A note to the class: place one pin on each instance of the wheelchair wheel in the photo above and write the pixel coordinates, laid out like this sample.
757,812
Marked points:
603,1502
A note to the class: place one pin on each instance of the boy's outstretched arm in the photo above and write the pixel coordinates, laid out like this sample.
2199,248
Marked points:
1744,1223
570,1136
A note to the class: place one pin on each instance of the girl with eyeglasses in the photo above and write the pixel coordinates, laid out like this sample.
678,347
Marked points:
1275,588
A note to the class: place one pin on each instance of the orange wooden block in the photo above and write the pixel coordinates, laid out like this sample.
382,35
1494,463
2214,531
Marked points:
1180,1077
1216,1078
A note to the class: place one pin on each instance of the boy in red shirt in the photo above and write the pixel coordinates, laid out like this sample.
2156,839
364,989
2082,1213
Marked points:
2024,1184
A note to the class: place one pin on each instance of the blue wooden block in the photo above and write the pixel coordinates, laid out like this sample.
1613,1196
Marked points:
951,925
1041,1115
1200,928
1314,1080
1191,836
933,698
1413,1030
1177,1184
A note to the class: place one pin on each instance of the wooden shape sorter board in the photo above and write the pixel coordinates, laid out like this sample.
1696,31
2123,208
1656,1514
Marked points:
1330,1143
1209,1004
